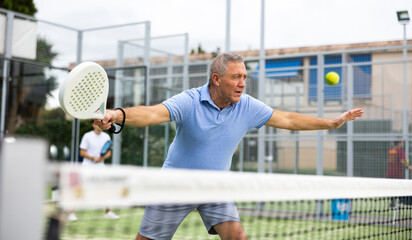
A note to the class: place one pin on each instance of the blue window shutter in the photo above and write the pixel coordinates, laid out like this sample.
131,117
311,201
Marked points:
271,66
313,80
362,78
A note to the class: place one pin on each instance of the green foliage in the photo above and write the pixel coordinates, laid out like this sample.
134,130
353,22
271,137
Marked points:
132,145
21,6
45,53
200,50
54,128
30,87
34,88
57,131
157,144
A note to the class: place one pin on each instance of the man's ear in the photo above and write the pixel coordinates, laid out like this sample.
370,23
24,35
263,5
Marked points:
216,79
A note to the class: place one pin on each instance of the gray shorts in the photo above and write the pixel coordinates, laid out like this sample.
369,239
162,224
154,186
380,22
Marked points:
162,221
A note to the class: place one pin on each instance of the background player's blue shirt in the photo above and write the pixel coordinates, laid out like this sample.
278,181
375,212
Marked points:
206,137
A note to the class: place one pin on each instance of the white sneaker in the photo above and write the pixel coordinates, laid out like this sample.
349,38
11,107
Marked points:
111,215
72,217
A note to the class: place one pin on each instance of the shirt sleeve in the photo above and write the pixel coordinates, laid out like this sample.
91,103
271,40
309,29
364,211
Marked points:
260,112
179,105
84,142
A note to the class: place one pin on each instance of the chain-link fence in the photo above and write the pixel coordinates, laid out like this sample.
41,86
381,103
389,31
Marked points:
144,69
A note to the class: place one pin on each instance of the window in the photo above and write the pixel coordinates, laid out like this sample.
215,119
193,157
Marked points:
361,78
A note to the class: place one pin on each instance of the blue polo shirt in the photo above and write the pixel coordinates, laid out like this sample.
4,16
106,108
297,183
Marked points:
206,137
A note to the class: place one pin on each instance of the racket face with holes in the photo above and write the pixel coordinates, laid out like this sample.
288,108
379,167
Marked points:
83,94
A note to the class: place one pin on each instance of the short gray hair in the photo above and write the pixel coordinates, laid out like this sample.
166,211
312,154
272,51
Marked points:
219,64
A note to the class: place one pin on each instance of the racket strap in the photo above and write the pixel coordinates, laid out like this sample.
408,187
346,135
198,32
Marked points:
113,128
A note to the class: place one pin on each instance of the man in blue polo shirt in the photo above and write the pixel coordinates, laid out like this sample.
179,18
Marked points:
210,122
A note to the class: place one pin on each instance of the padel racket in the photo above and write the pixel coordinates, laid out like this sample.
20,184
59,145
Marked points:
83,94
106,147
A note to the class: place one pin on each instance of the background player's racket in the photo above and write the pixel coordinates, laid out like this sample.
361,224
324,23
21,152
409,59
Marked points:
106,147
83,94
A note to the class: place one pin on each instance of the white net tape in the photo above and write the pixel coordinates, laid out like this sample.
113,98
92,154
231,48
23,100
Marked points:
122,186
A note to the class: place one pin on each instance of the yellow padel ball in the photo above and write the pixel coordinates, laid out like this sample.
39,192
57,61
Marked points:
332,78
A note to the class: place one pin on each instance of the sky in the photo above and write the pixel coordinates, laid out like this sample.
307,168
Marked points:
288,23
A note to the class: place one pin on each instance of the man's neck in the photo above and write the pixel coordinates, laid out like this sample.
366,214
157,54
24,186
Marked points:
216,97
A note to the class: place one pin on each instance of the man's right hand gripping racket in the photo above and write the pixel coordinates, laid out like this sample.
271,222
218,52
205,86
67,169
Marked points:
83,94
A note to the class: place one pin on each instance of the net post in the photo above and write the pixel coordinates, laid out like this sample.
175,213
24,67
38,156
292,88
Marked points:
22,185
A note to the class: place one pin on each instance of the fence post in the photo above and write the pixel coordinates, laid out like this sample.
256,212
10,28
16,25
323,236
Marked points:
6,65
148,89
118,101
349,129
320,102
261,90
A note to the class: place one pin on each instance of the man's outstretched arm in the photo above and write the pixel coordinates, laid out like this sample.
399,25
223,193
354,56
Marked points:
296,121
140,116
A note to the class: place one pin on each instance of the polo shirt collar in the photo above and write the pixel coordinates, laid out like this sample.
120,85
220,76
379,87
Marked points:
205,94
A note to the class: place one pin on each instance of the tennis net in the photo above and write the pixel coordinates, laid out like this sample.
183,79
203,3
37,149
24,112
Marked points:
271,206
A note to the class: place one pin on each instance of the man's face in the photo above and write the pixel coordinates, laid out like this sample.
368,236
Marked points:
233,82
96,127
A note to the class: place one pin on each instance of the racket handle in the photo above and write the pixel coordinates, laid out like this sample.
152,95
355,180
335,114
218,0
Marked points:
112,129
